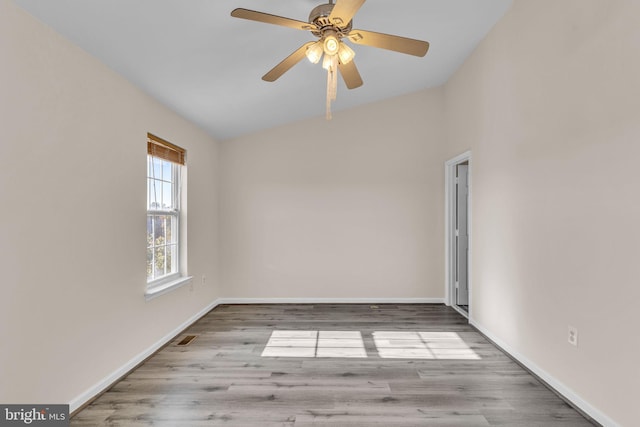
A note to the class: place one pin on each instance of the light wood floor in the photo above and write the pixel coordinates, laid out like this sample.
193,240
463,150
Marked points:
394,365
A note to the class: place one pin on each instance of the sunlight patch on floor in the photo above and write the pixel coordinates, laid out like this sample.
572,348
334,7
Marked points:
422,345
315,344
389,345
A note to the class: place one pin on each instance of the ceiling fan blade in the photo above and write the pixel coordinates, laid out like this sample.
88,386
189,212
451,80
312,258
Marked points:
344,10
350,74
253,15
286,64
389,42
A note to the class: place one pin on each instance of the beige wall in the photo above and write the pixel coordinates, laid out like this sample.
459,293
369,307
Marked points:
351,208
72,217
550,105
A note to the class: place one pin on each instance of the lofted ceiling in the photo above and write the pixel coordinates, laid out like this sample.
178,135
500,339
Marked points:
207,66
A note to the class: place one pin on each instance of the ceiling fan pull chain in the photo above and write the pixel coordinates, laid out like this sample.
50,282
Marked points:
332,83
329,94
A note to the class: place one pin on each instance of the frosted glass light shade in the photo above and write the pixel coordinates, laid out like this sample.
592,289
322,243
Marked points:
314,52
345,53
329,61
331,45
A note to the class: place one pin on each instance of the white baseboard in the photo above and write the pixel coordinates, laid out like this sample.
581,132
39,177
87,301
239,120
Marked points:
106,382
565,391
331,301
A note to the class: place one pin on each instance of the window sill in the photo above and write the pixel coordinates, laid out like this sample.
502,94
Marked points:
156,291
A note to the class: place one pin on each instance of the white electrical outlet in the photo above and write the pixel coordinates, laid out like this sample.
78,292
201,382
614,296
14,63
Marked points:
573,335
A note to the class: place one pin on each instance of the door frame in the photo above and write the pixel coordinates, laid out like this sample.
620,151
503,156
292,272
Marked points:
450,230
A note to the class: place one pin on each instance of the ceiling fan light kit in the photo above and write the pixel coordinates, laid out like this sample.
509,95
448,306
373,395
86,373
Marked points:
345,54
331,43
331,23
314,52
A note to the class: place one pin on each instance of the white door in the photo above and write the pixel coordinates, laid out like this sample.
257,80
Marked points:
462,235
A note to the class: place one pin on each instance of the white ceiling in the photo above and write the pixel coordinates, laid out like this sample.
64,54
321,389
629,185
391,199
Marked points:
207,66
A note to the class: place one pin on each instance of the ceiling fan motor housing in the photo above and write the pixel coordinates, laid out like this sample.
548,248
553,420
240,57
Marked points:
319,16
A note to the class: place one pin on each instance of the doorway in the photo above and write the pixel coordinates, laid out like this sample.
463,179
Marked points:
457,246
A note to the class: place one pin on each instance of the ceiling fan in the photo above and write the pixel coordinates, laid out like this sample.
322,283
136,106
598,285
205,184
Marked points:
331,23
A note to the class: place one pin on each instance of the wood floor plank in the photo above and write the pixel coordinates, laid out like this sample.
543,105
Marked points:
407,365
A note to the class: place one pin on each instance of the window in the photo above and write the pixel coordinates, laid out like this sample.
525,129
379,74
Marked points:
164,163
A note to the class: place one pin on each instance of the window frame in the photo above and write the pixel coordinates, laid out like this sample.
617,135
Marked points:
174,213
166,283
